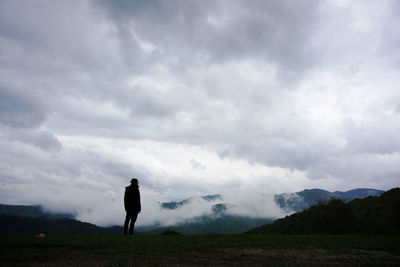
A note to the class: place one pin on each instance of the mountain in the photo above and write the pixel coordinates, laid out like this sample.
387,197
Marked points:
227,224
358,193
371,215
218,222
10,223
221,221
294,202
177,204
290,202
32,211
220,218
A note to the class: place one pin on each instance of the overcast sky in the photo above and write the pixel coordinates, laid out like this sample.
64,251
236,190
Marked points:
241,98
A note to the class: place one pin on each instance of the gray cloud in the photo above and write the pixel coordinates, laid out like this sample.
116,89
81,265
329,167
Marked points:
197,165
193,97
16,110
41,139
220,31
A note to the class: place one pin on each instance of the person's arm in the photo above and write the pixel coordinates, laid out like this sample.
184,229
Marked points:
139,206
126,201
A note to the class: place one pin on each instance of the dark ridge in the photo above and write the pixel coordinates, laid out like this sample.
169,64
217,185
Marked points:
371,215
28,225
32,211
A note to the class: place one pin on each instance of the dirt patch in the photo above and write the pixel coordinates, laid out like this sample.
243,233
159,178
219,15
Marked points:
228,257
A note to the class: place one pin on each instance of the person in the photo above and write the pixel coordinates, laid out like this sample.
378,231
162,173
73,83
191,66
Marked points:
132,205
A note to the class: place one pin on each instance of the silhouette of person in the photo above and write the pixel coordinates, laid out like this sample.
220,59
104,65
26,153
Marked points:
132,205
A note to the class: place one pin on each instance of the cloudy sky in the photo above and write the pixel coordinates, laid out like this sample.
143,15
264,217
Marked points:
242,98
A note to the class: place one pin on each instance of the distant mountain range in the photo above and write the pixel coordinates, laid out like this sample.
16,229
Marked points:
289,202
220,220
177,204
225,224
294,202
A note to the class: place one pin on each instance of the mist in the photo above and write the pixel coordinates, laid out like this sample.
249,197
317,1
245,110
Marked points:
108,209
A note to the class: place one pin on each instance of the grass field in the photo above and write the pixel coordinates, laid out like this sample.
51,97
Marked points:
209,250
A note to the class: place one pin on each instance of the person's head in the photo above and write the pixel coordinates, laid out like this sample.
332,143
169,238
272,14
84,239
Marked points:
135,181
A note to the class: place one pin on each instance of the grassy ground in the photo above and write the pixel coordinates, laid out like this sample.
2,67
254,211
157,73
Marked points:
188,250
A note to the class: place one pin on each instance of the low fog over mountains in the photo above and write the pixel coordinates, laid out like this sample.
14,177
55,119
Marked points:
218,213
289,202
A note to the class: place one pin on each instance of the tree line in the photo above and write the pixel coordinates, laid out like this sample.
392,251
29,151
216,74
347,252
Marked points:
371,215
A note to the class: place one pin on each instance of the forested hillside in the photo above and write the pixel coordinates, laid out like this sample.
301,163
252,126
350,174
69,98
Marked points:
295,202
18,224
224,224
372,215
32,211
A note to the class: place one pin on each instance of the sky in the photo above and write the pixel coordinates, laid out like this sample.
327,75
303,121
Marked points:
240,98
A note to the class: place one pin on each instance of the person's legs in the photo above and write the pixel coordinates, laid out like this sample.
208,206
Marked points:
127,219
133,220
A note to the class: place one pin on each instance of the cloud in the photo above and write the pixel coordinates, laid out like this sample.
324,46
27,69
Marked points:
216,32
18,111
41,139
197,165
194,98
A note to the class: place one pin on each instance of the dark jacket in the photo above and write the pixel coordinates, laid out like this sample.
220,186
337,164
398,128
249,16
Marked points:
132,199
